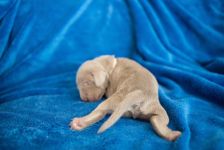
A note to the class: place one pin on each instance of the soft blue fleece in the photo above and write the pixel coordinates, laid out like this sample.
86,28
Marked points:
43,42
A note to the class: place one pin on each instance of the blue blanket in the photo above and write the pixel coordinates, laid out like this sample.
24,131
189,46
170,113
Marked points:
43,42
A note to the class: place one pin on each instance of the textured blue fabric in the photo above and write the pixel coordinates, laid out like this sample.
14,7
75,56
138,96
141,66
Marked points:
43,42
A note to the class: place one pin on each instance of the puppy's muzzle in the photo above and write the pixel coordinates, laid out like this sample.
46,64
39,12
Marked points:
91,98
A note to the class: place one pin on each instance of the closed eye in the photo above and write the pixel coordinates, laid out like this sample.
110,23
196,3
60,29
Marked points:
87,83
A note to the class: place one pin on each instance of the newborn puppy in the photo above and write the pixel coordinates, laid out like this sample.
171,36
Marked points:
131,91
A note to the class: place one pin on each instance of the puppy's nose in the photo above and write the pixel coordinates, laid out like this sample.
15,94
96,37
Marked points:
92,98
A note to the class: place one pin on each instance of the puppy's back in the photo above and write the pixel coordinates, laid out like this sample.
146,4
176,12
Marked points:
133,75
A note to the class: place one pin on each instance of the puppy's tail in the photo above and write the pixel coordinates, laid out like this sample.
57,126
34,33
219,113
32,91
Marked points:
118,112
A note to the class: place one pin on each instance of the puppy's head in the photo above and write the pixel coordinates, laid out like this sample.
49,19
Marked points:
92,81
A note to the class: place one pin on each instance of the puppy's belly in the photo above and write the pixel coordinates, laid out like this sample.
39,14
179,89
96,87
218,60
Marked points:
136,113
139,116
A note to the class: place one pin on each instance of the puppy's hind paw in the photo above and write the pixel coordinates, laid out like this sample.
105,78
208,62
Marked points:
77,124
173,135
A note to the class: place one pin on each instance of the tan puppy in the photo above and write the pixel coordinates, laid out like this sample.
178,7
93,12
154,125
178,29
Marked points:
132,91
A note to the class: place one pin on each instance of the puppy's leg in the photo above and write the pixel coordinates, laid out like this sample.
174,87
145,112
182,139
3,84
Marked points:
97,114
124,106
160,121
85,121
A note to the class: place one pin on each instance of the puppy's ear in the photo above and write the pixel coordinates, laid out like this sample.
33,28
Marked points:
107,61
100,78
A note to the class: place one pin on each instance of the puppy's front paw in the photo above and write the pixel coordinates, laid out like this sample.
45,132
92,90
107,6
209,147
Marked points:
78,124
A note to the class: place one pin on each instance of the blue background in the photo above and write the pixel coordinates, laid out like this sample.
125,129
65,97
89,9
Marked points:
43,42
